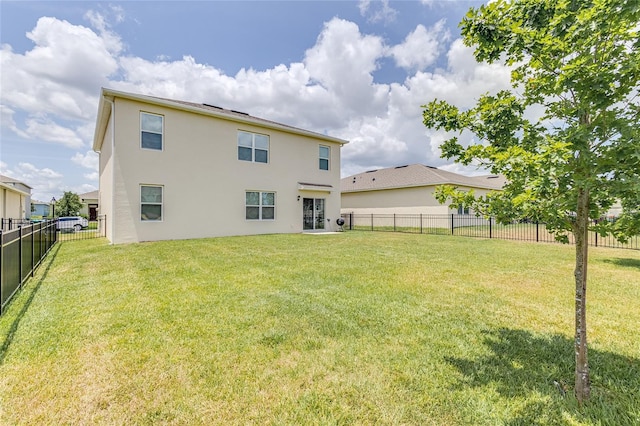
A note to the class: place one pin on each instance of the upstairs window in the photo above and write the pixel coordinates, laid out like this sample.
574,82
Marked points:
253,147
325,154
151,202
260,205
151,130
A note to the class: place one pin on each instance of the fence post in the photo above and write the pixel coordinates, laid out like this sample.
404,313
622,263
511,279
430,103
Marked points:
452,224
1,259
537,232
596,222
40,237
394,222
490,233
33,248
372,221
421,223
20,254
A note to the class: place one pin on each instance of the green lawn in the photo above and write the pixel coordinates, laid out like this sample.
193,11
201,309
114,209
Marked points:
350,328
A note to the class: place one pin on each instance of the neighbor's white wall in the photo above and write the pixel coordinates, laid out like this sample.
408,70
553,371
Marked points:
414,200
13,204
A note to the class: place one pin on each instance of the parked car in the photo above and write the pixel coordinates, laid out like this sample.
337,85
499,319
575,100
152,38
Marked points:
76,223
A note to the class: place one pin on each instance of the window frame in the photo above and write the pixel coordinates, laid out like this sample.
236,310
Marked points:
260,206
463,210
253,146
150,203
328,157
161,133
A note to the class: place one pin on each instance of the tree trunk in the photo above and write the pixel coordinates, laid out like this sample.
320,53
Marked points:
581,228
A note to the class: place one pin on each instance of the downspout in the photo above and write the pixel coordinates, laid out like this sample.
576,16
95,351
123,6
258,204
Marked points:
113,162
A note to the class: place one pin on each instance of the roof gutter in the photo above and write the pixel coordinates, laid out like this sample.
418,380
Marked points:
102,120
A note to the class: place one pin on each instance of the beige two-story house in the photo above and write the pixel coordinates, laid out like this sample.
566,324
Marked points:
171,169
15,199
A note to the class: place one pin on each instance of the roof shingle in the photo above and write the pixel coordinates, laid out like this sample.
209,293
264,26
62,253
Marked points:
415,175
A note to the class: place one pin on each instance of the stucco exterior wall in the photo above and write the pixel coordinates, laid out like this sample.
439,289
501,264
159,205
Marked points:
13,204
413,200
400,201
203,181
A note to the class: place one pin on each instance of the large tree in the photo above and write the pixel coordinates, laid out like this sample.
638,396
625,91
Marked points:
68,205
578,62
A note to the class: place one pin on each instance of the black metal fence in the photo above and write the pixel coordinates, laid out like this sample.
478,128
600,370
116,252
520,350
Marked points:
66,232
24,243
21,252
469,226
96,229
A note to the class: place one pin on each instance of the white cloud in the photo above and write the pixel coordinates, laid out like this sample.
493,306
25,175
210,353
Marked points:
45,182
403,138
82,189
334,82
6,120
61,74
420,48
91,176
89,160
47,130
377,11
343,61
331,91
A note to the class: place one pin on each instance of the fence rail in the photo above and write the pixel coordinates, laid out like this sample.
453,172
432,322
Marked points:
95,229
469,226
23,245
21,252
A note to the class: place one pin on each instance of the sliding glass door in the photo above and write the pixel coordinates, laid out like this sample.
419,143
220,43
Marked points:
312,213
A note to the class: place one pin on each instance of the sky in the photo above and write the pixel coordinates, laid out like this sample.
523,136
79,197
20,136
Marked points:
356,70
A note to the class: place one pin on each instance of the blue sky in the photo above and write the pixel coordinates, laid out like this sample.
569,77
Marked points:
358,70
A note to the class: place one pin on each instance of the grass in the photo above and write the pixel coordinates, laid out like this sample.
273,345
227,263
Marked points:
353,328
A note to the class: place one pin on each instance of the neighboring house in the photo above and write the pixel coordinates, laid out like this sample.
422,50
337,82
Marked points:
40,209
408,190
15,199
175,170
89,207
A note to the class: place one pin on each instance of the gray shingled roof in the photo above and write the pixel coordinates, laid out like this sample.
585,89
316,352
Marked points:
415,175
89,195
12,181
242,115
230,112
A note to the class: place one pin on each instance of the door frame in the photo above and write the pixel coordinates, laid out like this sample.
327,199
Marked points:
315,220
